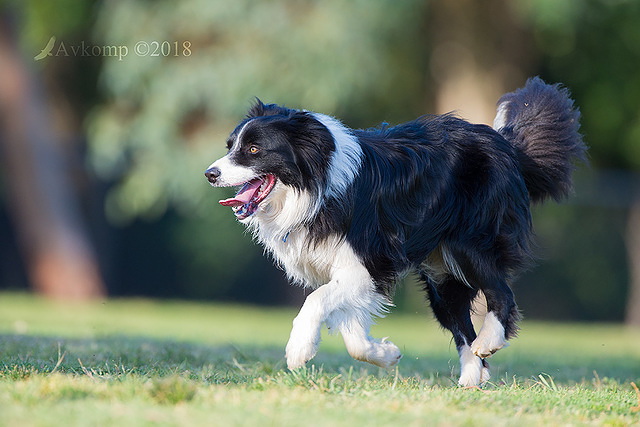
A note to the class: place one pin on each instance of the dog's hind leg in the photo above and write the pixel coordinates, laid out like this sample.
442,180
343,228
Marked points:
500,321
451,304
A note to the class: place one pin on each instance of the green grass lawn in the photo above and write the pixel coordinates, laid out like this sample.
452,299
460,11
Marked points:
141,362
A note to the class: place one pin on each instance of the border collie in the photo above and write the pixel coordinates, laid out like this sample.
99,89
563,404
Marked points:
348,212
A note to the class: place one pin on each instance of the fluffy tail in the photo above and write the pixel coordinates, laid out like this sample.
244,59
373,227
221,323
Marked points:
542,124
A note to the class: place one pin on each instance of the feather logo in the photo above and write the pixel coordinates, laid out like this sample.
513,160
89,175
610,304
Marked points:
47,49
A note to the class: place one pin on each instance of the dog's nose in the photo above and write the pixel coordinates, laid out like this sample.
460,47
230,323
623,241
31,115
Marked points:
212,174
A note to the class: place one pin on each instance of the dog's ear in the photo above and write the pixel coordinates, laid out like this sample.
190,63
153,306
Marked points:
259,109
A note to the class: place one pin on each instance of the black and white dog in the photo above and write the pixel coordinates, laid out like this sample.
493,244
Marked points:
349,212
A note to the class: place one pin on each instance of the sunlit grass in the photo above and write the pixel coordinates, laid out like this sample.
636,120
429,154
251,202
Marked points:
132,362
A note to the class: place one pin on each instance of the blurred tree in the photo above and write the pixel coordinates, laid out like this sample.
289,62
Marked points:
633,253
58,253
480,50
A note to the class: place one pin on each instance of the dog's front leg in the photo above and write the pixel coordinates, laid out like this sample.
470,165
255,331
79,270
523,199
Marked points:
305,334
347,303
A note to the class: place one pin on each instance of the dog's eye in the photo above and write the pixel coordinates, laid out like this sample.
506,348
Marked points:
253,149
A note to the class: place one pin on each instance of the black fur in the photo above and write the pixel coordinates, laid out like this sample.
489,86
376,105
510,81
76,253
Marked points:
542,124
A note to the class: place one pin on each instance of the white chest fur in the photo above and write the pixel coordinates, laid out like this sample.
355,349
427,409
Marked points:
279,226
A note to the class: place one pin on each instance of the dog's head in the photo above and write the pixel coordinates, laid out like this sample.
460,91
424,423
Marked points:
274,150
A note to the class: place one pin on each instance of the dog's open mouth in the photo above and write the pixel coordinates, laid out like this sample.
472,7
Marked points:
246,201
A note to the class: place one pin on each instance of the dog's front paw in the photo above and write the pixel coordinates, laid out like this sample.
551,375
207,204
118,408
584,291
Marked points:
299,354
381,353
300,349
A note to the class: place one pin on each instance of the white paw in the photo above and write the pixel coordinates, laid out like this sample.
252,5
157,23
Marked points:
472,369
470,376
490,339
302,346
381,353
298,354
485,374
384,354
486,346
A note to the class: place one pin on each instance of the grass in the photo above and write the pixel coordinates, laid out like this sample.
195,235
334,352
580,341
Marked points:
140,362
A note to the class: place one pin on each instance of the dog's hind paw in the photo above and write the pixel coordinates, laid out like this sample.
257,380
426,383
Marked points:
473,370
490,339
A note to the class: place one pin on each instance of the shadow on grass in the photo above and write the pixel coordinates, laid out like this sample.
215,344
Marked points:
124,355
22,356
115,357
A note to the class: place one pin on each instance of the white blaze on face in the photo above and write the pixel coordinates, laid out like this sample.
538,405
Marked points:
232,174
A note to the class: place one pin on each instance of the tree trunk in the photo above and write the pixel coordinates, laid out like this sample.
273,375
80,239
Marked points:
58,254
479,53
632,317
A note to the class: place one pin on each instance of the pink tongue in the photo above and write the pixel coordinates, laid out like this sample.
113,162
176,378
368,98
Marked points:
245,194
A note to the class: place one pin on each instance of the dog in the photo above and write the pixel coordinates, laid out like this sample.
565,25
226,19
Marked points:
347,213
